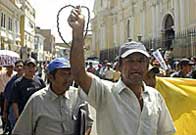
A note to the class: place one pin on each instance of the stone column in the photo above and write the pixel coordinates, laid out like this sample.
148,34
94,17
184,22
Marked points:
176,16
182,18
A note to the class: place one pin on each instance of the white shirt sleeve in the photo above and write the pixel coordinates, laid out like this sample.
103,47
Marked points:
24,124
98,92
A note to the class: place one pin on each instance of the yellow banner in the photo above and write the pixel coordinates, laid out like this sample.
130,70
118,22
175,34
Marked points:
180,97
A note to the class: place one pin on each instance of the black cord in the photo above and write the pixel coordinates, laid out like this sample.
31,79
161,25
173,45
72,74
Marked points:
58,28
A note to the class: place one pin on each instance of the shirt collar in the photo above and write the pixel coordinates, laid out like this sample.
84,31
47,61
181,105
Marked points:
54,96
120,86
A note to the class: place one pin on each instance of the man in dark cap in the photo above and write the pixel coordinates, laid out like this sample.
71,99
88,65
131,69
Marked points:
57,109
25,86
185,68
127,107
150,76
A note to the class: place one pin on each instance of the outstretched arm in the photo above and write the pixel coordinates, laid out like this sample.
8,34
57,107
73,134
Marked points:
76,21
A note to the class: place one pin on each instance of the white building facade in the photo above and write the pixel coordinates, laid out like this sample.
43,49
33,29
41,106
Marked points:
10,15
39,47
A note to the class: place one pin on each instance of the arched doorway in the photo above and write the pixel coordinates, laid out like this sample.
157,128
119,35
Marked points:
169,32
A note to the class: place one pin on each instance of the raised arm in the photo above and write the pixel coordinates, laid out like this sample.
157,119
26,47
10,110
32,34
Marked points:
76,21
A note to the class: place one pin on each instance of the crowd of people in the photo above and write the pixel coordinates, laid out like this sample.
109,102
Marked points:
121,91
182,68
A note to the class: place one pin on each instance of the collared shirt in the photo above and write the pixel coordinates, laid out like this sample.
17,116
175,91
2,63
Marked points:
49,114
118,110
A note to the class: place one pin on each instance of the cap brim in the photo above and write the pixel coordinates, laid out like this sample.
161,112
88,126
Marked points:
191,63
129,52
59,67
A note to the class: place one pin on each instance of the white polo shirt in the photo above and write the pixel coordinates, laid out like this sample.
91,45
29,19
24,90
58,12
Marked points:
118,110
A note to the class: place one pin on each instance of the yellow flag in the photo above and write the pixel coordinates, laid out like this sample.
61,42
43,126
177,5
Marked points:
180,97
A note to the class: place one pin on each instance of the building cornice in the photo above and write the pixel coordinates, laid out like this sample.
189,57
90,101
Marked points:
11,6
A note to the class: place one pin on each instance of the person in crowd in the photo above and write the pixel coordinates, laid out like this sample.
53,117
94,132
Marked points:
127,107
5,75
116,72
150,76
98,70
103,68
25,86
58,109
109,72
162,72
193,74
39,70
8,115
91,68
176,66
185,68
169,56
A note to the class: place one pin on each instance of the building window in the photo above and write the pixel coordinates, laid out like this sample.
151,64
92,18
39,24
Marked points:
17,27
9,24
3,20
101,3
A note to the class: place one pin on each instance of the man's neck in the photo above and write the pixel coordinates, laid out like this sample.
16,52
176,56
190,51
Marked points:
137,90
57,91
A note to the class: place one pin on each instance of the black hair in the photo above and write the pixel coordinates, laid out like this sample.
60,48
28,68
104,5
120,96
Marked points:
19,61
119,62
155,70
53,73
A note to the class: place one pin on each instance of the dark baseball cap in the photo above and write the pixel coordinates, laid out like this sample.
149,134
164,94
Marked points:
132,47
153,69
58,63
30,61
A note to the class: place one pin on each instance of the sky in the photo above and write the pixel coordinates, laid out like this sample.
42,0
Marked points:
46,12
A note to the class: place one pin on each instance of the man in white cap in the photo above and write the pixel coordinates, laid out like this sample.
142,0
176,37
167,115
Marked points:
127,107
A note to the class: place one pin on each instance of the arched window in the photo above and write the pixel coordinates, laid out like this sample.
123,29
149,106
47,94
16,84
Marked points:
169,31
